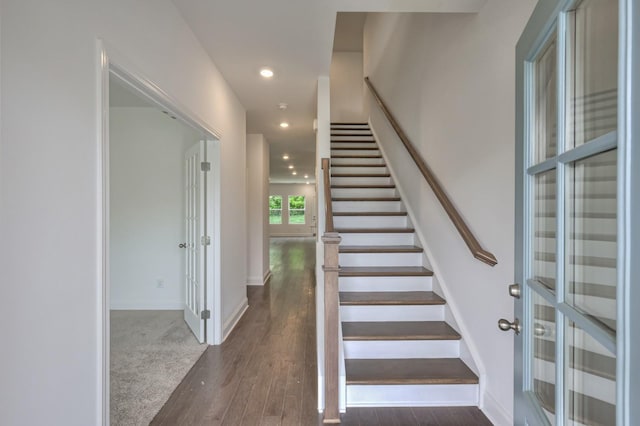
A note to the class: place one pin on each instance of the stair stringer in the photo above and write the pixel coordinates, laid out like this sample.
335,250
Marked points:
468,350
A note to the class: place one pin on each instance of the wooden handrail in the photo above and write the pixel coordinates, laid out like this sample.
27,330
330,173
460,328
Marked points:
331,268
472,242
328,206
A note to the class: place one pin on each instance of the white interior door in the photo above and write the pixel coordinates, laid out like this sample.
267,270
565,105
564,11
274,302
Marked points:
195,231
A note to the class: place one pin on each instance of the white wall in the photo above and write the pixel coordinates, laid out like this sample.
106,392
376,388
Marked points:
286,230
449,80
50,187
347,88
257,209
146,153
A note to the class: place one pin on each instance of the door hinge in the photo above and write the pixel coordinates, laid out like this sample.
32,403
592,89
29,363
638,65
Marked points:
205,166
205,240
205,314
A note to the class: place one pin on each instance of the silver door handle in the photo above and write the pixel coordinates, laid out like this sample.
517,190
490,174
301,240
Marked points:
514,291
182,245
505,325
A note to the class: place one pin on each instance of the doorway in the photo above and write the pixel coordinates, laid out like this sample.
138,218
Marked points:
159,245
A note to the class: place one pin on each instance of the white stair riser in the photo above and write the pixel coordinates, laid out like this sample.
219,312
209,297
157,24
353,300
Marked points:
582,273
588,226
377,239
353,143
392,313
585,205
400,349
599,306
349,138
385,283
354,152
370,221
412,395
367,206
338,161
353,130
380,259
359,170
585,248
360,180
337,126
363,192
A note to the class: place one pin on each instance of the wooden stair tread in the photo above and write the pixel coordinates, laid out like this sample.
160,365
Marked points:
380,249
389,298
375,230
360,175
366,199
356,156
427,371
369,213
358,165
384,271
355,140
400,330
365,186
357,148
351,135
339,123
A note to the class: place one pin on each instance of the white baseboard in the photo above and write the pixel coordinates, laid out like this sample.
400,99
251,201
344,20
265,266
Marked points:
495,412
146,305
259,280
231,322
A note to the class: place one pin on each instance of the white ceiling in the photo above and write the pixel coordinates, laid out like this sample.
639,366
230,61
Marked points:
295,39
121,96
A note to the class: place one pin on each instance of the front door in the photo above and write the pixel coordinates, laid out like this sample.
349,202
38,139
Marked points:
570,191
194,247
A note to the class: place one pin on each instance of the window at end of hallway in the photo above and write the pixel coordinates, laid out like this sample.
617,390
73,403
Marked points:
296,209
275,209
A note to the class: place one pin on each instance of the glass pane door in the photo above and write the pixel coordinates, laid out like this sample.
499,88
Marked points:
570,229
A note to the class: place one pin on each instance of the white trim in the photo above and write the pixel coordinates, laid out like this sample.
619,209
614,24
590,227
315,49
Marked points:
466,335
147,305
102,231
495,411
232,321
259,280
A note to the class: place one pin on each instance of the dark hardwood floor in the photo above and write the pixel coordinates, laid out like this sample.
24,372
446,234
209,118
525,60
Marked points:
265,372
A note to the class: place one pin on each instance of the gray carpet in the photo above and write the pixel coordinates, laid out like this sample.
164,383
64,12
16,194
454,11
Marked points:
151,351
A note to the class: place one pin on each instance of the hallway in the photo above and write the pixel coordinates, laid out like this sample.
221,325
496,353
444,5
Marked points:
265,372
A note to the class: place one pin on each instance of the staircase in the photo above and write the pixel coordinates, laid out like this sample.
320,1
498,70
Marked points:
399,350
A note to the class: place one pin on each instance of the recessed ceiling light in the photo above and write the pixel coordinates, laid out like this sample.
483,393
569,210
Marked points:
306,177
285,157
291,166
294,173
307,182
284,124
266,72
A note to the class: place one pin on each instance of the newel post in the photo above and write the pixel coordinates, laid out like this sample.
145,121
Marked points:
331,268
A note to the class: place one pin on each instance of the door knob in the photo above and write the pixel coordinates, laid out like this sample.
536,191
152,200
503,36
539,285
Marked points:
182,245
514,290
505,325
